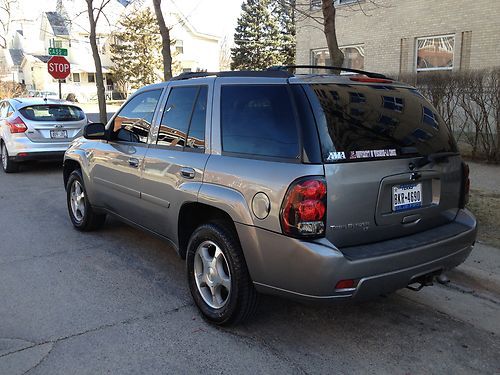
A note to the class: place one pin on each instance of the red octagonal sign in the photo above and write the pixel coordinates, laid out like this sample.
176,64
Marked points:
58,67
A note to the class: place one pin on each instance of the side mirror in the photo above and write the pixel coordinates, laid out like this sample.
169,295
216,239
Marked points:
94,131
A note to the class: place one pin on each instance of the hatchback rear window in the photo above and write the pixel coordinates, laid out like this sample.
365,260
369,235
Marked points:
52,112
362,122
258,120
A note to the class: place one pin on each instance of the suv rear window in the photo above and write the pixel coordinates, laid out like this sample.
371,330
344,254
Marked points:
360,122
258,120
51,112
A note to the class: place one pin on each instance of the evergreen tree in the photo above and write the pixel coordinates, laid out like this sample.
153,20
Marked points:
257,37
136,51
284,12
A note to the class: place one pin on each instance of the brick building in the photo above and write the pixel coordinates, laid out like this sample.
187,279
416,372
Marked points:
405,36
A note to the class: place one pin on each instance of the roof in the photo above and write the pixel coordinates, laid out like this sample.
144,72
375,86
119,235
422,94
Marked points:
22,102
57,22
42,58
17,56
20,32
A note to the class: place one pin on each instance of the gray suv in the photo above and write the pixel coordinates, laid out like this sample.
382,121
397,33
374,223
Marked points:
316,187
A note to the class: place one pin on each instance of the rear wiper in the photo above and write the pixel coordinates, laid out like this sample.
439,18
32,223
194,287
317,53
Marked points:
435,158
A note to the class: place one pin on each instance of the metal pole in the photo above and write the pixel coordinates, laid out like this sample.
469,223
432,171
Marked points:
60,93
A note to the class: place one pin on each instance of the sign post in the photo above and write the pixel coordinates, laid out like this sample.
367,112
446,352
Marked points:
59,68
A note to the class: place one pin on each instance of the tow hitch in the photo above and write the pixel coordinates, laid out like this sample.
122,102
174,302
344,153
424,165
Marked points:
419,282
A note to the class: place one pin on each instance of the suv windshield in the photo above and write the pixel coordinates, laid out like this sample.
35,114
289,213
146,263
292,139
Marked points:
363,122
52,112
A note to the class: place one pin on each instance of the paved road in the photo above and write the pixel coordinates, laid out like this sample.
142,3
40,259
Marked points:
116,301
94,117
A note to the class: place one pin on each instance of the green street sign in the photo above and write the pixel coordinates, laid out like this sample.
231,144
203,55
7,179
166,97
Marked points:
58,51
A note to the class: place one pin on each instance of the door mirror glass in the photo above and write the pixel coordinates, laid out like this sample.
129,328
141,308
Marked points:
94,131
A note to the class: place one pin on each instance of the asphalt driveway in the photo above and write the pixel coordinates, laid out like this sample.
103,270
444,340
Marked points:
116,301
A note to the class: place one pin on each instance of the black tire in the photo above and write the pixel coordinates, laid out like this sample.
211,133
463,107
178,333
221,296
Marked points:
8,165
243,298
87,220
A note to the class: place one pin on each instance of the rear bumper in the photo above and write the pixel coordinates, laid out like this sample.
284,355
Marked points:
21,148
310,270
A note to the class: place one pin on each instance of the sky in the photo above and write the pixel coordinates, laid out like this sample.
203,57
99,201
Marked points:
216,17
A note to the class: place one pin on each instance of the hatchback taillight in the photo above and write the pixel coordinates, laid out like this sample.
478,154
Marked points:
16,125
464,196
303,212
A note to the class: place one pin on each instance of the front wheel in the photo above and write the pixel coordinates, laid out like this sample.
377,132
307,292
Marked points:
218,276
80,210
8,165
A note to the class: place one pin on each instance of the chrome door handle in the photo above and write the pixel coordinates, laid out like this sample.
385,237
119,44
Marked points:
133,162
187,172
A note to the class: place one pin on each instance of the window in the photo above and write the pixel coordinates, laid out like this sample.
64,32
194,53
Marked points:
393,103
52,112
3,109
435,53
430,118
315,4
91,77
196,134
56,43
76,77
179,46
354,57
343,130
258,120
133,122
185,106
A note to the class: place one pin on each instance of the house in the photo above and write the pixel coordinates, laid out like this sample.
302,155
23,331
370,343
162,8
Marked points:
405,36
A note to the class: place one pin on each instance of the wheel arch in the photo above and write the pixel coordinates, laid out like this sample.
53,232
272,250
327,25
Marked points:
69,166
194,214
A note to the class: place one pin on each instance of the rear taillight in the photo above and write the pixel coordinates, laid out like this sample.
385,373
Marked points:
16,125
303,212
464,196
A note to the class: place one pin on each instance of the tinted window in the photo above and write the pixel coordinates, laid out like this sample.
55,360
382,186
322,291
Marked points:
133,122
366,124
52,112
196,134
177,115
258,120
3,109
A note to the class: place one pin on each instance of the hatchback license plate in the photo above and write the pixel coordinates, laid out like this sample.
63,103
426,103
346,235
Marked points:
406,197
58,134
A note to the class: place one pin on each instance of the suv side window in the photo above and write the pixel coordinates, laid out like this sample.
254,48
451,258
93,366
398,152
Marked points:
3,109
133,122
258,120
185,112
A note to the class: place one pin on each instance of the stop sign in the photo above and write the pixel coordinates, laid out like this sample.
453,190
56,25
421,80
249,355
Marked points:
58,67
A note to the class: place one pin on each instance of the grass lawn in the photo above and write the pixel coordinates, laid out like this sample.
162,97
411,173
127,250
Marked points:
486,207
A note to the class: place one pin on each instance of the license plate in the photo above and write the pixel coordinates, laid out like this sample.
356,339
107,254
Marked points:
406,197
58,134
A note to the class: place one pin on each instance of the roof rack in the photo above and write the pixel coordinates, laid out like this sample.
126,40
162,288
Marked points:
292,68
237,73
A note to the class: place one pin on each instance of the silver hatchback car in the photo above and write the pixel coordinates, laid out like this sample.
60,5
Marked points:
316,187
37,129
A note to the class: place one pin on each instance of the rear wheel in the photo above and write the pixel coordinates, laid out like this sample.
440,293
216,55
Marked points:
218,276
8,166
80,211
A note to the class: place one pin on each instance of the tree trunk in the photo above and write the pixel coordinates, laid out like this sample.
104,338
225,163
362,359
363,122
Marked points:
336,54
99,81
165,41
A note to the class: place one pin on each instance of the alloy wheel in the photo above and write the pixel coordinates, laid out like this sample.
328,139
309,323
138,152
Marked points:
77,200
212,274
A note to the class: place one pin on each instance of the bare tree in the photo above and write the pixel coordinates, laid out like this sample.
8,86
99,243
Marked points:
225,54
326,19
94,13
329,12
165,41
5,20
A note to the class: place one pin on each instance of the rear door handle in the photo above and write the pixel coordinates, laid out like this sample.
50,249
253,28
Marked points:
133,162
187,172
